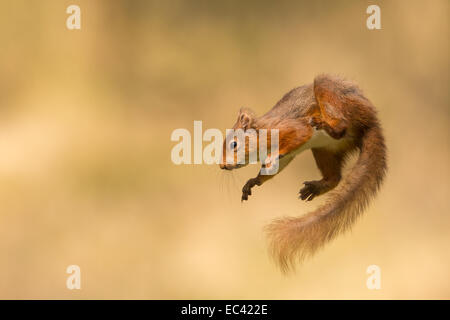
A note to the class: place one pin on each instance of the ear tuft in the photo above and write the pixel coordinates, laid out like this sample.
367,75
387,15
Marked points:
246,118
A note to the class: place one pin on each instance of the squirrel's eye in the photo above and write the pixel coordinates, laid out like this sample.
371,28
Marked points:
233,145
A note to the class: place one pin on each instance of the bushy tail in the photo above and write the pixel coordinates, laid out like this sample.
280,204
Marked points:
294,239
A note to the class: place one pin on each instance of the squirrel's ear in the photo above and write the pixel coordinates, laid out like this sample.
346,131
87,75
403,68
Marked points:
246,118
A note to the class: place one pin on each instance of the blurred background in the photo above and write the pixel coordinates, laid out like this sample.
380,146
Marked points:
86,176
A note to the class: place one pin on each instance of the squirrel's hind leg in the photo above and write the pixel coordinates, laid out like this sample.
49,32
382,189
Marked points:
331,107
330,165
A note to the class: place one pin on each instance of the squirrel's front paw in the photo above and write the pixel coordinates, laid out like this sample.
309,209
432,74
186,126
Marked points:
247,189
310,190
336,132
316,122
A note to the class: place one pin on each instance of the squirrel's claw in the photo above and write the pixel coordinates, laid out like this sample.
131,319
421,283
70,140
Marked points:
247,189
309,191
315,122
245,195
336,132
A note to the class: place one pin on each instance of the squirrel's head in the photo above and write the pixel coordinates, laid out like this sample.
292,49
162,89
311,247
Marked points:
241,143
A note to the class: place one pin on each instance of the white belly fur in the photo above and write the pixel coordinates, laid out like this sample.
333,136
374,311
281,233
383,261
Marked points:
321,139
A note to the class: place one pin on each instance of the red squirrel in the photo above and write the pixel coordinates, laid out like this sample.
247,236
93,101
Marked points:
333,118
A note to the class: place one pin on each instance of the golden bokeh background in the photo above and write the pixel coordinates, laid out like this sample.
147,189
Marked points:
85,168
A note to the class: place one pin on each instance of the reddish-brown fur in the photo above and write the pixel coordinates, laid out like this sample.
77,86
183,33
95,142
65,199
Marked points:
340,109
